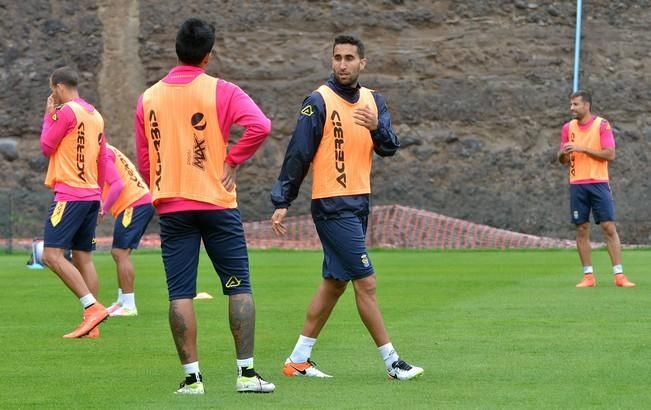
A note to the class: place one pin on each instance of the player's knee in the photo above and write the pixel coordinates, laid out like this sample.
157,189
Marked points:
583,230
50,257
116,254
366,286
609,229
336,288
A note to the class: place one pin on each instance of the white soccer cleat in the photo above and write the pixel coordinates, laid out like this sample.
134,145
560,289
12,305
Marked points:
115,306
191,385
307,369
124,311
401,370
255,384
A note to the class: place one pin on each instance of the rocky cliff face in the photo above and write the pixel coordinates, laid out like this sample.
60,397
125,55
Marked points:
477,90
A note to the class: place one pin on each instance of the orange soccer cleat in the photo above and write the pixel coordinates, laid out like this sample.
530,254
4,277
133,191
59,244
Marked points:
621,281
93,334
93,316
307,369
588,281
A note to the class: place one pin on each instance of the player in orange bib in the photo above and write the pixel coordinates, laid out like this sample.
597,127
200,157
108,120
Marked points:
587,145
340,125
127,198
73,139
182,145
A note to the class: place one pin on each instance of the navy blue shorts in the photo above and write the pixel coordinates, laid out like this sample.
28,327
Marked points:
128,237
222,233
344,248
596,197
71,225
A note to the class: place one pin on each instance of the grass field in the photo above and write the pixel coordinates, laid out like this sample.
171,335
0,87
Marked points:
493,329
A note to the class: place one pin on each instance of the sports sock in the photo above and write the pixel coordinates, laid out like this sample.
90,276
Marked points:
617,269
119,301
191,368
128,300
87,301
388,354
302,350
587,270
245,367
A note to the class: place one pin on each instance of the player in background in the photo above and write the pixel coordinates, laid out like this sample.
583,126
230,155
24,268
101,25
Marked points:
127,198
73,139
587,146
339,127
182,127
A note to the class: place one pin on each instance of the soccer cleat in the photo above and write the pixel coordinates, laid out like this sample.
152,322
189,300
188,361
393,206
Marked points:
93,334
255,384
621,281
124,311
307,369
93,316
401,370
115,306
588,281
191,385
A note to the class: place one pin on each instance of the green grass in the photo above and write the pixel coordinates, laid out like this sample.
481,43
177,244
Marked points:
492,329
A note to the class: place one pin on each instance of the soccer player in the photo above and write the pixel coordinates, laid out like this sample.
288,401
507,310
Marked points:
339,127
73,139
587,145
127,197
182,128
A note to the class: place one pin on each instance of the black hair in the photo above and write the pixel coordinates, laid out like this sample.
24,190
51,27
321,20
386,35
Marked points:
194,41
585,95
348,39
66,76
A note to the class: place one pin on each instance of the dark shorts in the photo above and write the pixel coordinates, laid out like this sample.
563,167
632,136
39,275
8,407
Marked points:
596,197
344,248
71,225
222,233
128,237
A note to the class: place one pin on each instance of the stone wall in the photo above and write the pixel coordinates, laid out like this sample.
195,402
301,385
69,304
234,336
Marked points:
477,91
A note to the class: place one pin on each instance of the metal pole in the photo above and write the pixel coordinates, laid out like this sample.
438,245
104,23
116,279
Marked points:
577,45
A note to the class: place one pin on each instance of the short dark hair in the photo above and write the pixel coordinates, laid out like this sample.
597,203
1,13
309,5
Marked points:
66,76
348,39
585,95
194,41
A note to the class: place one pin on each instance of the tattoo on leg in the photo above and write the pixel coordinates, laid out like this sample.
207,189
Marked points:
242,321
179,330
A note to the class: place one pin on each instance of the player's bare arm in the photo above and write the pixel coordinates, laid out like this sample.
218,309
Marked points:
607,154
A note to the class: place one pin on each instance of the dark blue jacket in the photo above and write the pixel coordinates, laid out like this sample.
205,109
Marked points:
305,142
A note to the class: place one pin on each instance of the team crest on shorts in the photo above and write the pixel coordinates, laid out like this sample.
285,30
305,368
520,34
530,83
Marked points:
233,282
365,261
575,214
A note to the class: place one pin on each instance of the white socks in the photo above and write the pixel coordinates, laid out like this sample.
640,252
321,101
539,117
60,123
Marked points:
245,362
617,269
191,368
388,354
87,300
129,300
302,350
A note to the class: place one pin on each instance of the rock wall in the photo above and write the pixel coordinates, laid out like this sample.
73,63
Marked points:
477,91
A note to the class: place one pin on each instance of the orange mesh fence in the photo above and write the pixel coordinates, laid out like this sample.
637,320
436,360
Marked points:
396,226
392,226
